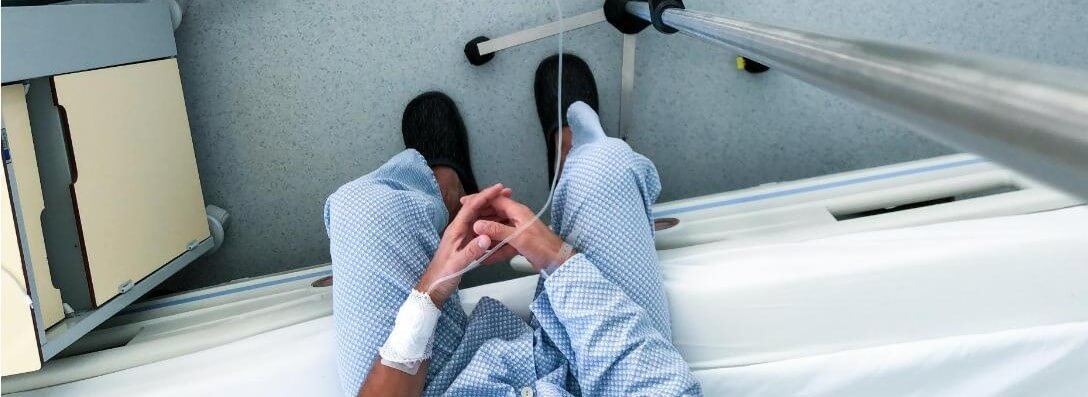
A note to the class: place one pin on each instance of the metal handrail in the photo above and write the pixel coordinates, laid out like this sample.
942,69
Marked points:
1031,118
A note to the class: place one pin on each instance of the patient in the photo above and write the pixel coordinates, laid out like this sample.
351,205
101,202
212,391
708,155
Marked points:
600,319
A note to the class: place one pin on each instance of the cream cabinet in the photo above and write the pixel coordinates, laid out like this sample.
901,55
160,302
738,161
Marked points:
102,199
105,201
31,203
19,349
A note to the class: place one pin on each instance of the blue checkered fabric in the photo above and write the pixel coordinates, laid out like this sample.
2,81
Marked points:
600,322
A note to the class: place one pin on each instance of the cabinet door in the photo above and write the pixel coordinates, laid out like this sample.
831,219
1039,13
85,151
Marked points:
17,335
136,188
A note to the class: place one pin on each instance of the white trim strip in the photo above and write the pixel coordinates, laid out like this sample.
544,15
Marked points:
536,33
231,288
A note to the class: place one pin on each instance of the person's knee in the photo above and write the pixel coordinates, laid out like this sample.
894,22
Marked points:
610,151
347,206
610,165
367,203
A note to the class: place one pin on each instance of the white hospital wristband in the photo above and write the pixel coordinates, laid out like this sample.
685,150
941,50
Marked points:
413,331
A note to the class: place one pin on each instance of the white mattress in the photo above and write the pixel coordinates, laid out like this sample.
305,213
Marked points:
743,306
1039,361
774,302
299,361
966,308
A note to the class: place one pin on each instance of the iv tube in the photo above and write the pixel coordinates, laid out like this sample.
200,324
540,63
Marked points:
558,151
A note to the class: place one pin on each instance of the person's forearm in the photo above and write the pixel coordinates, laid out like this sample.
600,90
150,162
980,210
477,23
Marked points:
417,318
386,381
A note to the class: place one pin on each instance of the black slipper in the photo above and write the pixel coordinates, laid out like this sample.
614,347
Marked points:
432,126
578,85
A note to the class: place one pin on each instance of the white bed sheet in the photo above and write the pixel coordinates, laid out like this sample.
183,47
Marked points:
299,361
775,302
745,306
996,306
1040,361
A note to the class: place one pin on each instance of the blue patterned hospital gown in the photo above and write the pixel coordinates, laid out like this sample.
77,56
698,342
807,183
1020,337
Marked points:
600,321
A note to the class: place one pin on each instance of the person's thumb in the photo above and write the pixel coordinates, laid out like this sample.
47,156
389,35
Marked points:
496,231
475,248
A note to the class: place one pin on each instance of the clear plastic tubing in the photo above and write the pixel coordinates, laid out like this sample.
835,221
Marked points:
558,151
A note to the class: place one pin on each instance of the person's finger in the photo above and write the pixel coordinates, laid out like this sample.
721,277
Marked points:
495,230
480,199
485,213
477,201
508,192
474,249
510,208
502,255
468,197
496,218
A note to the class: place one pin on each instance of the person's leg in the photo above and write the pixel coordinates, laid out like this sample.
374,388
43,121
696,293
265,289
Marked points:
384,228
602,208
578,86
602,201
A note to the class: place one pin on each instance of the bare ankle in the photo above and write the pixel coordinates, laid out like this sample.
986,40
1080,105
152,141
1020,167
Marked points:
449,184
567,144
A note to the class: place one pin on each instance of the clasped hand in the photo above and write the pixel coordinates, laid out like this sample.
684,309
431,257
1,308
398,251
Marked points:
487,218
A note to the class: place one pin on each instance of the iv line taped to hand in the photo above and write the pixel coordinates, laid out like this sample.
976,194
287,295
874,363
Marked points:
555,178
409,344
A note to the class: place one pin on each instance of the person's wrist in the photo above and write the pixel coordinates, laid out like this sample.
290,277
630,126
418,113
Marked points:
565,252
440,293
556,251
